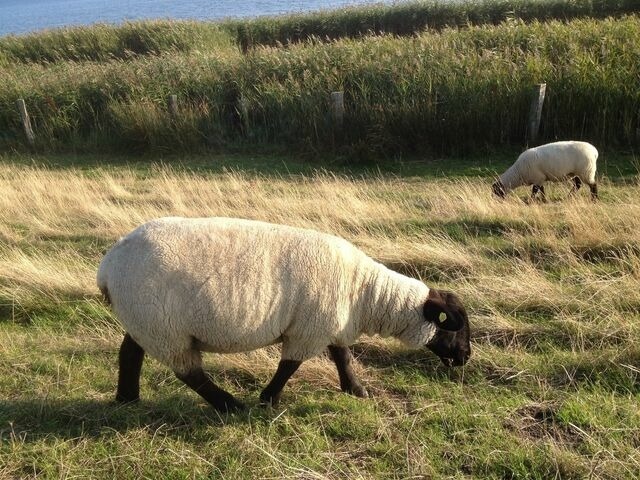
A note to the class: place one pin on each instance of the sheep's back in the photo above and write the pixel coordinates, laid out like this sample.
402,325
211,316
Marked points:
561,159
232,284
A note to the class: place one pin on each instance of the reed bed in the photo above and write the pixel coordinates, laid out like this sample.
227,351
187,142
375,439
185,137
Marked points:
409,18
102,42
454,91
551,290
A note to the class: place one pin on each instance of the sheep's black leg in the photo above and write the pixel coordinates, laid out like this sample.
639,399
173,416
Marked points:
130,363
271,393
543,195
534,191
203,386
343,359
577,183
594,191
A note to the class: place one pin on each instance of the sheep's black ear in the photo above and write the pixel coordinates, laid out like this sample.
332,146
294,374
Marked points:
441,310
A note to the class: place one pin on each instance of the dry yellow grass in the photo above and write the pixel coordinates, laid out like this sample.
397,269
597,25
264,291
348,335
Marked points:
408,224
552,291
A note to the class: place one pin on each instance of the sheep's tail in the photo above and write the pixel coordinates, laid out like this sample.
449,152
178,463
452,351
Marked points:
105,295
101,280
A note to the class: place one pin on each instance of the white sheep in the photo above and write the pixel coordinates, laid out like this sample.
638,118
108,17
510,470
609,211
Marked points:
551,162
181,286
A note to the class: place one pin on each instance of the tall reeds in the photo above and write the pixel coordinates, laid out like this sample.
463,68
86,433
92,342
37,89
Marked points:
102,42
452,91
408,18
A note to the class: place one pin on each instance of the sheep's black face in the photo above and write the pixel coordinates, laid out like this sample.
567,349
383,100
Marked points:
498,189
453,348
451,341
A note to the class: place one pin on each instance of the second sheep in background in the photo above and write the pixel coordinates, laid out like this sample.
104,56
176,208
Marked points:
551,162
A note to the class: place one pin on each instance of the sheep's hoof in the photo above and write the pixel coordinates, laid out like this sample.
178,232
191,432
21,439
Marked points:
233,407
267,400
357,391
124,399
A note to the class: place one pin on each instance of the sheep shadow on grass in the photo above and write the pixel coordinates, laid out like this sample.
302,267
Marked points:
30,420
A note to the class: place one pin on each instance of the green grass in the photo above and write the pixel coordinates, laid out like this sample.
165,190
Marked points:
280,163
551,390
454,91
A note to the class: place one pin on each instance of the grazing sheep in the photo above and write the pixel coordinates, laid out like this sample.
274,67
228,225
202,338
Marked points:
553,161
181,286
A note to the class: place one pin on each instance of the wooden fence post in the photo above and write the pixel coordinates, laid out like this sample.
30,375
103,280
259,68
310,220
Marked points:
26,121
172,105
535,113
243,110
337,109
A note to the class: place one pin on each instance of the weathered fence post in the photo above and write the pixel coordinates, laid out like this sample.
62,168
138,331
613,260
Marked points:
26,121
172,106
535,113
337,109
243,110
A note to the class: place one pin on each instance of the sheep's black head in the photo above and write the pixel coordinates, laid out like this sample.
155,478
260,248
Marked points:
498,189
451,341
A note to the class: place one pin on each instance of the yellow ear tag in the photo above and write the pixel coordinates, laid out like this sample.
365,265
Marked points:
442,317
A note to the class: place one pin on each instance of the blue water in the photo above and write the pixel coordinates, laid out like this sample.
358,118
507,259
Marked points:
21,16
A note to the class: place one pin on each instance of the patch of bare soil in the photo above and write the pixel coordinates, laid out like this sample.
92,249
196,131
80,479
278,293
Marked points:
539,421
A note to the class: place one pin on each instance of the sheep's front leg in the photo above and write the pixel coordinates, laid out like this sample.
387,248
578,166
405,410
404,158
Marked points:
534,191
543,195
271,393
219,399
343,359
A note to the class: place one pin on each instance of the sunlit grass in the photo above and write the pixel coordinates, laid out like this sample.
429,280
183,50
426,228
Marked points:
551,389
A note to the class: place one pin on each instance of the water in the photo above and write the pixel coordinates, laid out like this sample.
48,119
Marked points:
21,16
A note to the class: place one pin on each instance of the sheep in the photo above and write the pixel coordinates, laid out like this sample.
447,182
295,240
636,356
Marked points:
181,286
553,161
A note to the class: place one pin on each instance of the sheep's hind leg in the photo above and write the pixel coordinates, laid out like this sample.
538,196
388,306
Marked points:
577,183
130,363
200,383
534,191
594,191
271,393
343,359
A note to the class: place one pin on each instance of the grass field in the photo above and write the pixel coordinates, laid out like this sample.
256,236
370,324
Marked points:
551,391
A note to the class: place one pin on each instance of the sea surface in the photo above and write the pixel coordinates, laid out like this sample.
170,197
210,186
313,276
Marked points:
22,16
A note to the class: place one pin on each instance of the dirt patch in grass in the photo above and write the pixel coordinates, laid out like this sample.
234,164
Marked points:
540,421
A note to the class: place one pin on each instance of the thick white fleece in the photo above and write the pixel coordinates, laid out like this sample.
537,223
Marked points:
180,285
552,162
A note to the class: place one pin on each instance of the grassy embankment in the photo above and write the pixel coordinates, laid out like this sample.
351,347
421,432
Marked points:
441,90
552,290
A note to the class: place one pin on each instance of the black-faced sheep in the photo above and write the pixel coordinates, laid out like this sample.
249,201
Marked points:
551,162
182,286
